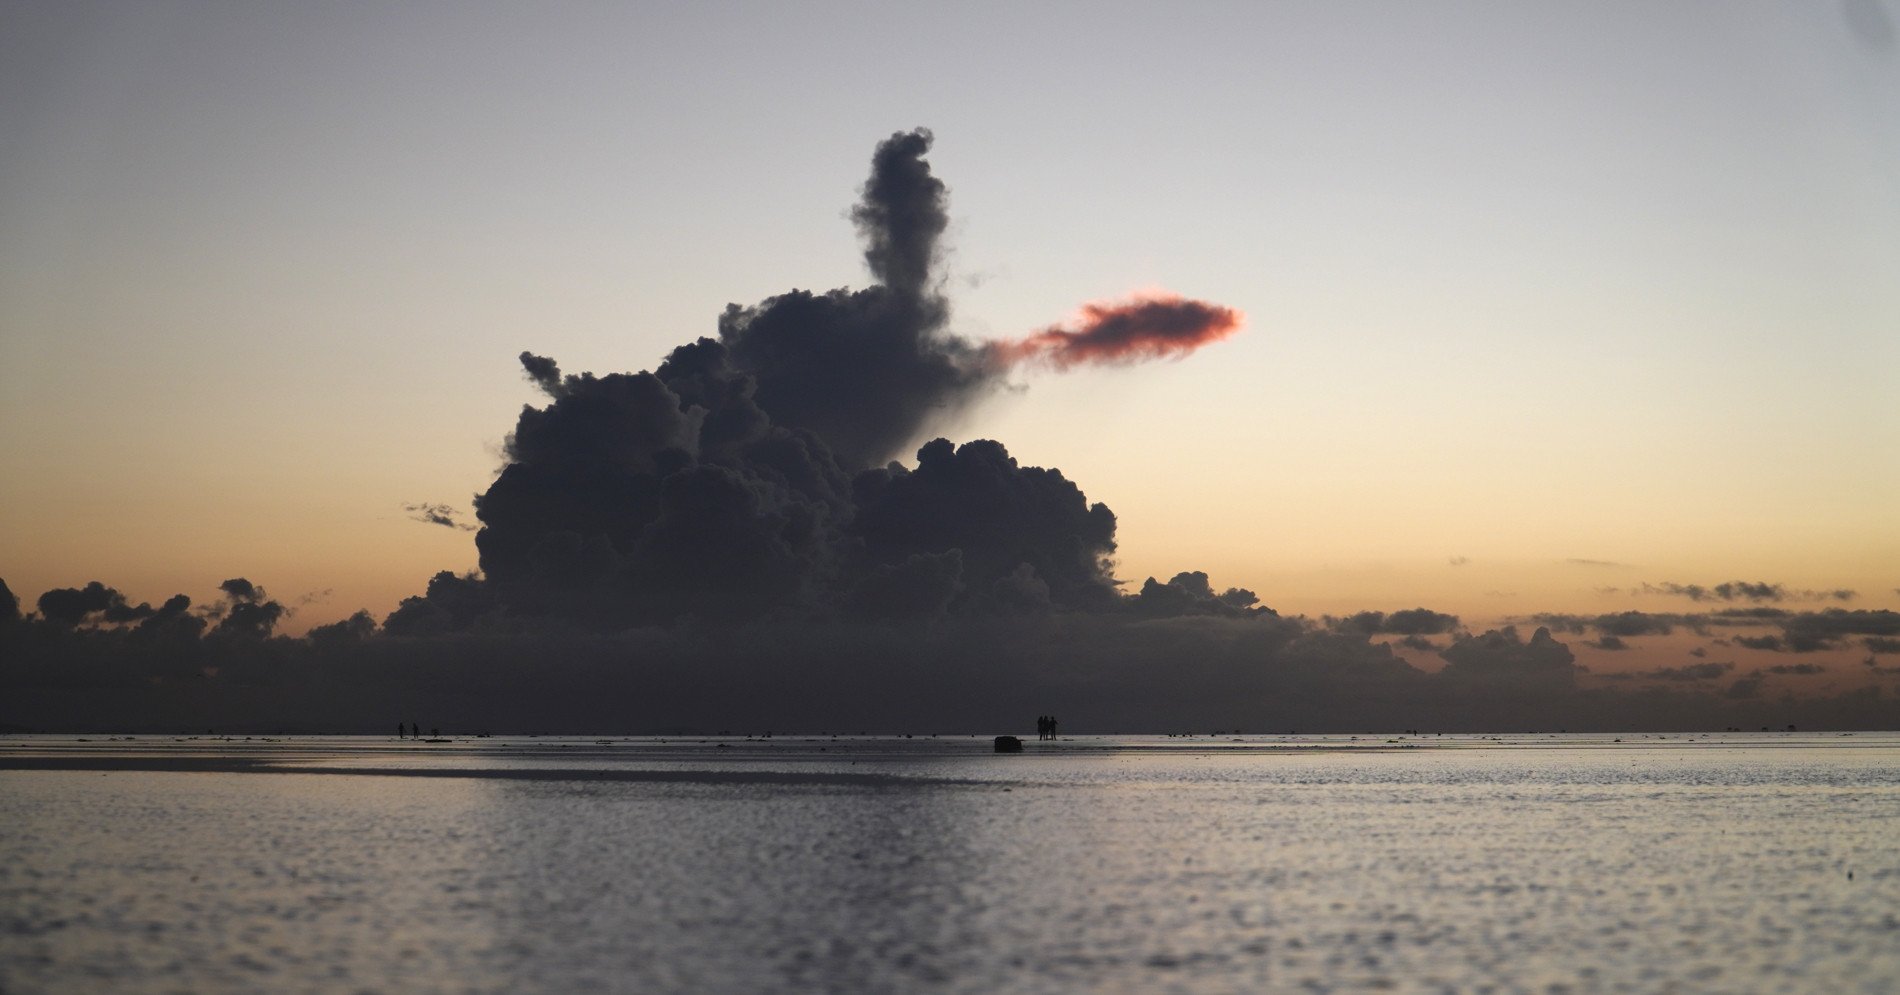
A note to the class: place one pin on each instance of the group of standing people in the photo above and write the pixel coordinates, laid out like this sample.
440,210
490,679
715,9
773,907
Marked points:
1045,727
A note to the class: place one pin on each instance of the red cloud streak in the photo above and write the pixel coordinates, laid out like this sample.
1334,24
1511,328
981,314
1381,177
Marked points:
1148,326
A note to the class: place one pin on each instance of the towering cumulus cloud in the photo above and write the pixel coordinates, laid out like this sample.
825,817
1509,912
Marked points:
742,477
864,369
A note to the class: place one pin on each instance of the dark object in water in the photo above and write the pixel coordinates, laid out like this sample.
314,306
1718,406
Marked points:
1008,744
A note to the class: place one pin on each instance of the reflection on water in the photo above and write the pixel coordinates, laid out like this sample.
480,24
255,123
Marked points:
1571,864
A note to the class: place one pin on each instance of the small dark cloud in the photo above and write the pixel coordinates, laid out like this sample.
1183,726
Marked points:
1816,630
1739,590
437,514
1577,561
1878,644
1190,593
95,603
1734,590
1419,643
1624,624
1609,643
1459,561
241,591
1810,632
350,631
173,623
544,372
247,612
1800,669
250,620
1633,623
1689,672
1406,622
1748,616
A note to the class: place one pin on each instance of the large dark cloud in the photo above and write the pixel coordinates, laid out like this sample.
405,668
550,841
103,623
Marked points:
721,485
1501,658
865,369
976,499
725,542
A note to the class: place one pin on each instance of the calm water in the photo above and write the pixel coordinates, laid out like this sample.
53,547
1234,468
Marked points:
1324,864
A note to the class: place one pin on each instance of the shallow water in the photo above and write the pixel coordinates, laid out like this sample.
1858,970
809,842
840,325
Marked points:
855,864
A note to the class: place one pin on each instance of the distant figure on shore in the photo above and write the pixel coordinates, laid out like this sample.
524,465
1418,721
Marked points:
1052,727
401,731
415,731
1045,727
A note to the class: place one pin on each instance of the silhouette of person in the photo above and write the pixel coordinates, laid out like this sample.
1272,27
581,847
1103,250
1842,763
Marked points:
1052,727
401,730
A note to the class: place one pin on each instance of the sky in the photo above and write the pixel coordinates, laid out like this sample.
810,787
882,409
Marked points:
1549,308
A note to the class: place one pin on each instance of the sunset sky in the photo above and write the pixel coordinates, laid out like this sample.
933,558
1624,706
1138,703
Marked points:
1549,306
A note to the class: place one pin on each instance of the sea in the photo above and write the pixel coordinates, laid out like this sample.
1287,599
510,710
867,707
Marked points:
1731,862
